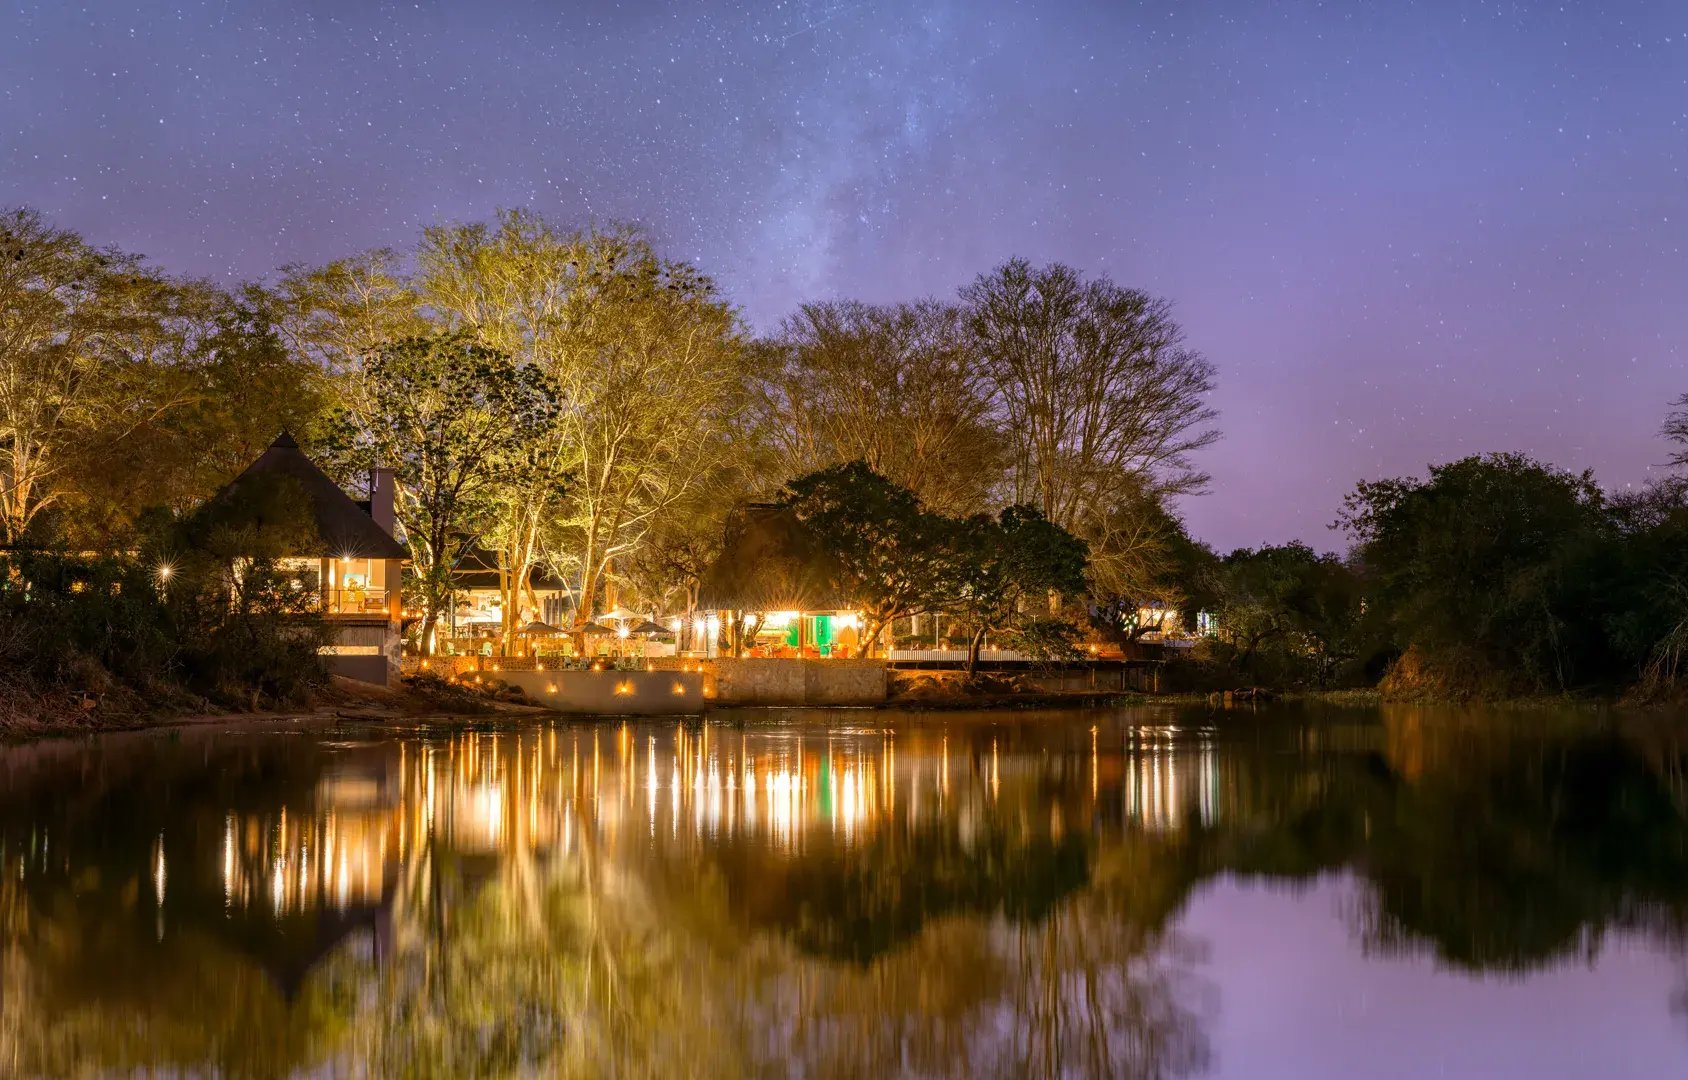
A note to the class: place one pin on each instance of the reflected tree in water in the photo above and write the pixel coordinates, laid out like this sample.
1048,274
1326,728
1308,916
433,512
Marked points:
984,901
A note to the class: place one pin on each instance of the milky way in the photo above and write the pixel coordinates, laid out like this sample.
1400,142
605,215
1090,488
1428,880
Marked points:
1404,232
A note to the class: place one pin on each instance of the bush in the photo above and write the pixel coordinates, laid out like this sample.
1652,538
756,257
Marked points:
118,629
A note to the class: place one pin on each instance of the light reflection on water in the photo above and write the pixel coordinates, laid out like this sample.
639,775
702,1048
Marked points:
930,895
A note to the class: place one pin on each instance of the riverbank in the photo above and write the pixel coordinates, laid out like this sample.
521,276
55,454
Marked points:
433,699
341,701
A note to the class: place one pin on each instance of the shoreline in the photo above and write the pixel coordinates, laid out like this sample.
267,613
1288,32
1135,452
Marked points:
353,704
344,702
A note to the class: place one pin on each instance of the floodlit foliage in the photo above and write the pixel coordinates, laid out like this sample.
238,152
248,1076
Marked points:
643,359
453,416
89,340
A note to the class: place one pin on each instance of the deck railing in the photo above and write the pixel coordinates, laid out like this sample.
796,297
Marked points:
354,601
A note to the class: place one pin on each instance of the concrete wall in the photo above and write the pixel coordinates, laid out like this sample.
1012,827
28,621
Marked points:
757,681
722,681
367,650
616,693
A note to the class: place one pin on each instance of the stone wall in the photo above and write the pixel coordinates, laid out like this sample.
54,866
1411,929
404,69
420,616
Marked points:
445,667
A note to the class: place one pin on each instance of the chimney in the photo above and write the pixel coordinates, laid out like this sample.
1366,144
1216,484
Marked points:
381,497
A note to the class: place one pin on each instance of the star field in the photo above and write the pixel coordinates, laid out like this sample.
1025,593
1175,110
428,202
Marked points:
1404,232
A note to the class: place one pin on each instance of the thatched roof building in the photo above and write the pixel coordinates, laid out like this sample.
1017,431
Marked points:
342,527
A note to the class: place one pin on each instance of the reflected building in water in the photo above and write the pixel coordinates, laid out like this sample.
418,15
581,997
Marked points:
1007,865
337,838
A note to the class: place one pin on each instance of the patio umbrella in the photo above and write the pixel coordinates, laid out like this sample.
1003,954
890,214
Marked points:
619,615
593,628
648,628
540,629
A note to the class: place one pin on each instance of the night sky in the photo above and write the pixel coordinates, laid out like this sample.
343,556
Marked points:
1403,231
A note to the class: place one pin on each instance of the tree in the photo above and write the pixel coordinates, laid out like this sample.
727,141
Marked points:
1647,593
511,285
451,416
1289,599
1099,394
1147,564
646,364
898,386
1491,570
87,339
1675,430
1007,567
338,314
236,388
648,379
892,557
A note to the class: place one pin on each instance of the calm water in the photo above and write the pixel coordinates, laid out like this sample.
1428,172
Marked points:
1135,893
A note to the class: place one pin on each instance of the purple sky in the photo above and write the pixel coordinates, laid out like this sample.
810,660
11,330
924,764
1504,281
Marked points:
1403,231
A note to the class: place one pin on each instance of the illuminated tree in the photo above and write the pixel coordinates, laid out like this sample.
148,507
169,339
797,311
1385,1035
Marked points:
510,285
646,365
339,313
452,418
88,338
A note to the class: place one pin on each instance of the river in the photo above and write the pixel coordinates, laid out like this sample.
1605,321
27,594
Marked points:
1144,892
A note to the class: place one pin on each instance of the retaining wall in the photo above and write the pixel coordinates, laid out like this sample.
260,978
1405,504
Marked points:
618,693
364,649
757,681
721,681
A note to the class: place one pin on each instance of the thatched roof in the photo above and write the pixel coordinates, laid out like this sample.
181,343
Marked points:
342,527
770,562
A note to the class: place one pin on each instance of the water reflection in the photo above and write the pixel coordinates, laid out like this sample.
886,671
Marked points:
953,896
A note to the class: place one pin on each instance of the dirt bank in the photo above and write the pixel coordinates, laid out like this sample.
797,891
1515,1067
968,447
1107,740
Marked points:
343,700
